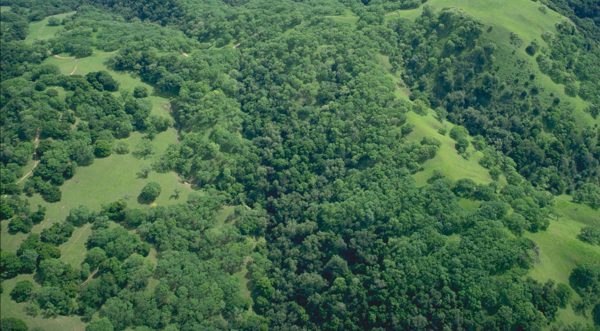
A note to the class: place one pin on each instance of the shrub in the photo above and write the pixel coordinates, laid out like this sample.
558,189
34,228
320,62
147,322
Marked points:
150,192
140,92
102,148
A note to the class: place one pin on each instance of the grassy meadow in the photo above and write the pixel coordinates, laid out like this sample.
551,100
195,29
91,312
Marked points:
42,31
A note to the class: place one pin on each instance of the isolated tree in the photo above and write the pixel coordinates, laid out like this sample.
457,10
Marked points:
150,192
10,264
13,324
102,148
140,92
22,291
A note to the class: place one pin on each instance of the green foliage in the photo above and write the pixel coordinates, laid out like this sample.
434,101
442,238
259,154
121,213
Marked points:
80,216
102,148
564,294
596,314
458,132
10,264
589,194
150,192
13,324
590,234
122,147
99,324
140,92
22,291
118,313
585,279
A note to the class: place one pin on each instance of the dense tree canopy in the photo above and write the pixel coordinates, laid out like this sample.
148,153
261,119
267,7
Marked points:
294,128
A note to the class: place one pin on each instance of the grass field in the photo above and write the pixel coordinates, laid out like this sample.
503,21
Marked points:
41,31
447,158
560,250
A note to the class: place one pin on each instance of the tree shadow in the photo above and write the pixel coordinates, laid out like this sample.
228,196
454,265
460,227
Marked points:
141,200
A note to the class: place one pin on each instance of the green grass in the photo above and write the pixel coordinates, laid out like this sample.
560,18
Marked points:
447,158
10,308
4,9
579,212
559,252
41,31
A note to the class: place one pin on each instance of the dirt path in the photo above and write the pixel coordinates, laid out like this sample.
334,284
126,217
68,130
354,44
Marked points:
184,53
74,69
36,143
62,57
89,278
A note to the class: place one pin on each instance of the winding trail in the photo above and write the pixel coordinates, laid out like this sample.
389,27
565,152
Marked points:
184,53
74,69
36,143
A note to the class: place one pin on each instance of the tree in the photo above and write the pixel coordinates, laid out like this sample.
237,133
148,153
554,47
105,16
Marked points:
590,234
80,215
596,314
564,294
10,264
140,92
99,324
6,211
29,261
22,291
95,257
150,192
119,313
102,148
50,193
13,324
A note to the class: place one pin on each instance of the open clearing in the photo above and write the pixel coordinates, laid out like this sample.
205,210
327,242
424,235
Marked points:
41,30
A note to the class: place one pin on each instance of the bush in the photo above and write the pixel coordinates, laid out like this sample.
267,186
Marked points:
50,193
22,291
20,224
140,92
150,192
13,324
590,234
122,147
102,148
53,21
458,132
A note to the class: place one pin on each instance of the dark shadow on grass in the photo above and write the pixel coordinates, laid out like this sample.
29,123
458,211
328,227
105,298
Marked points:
141,200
